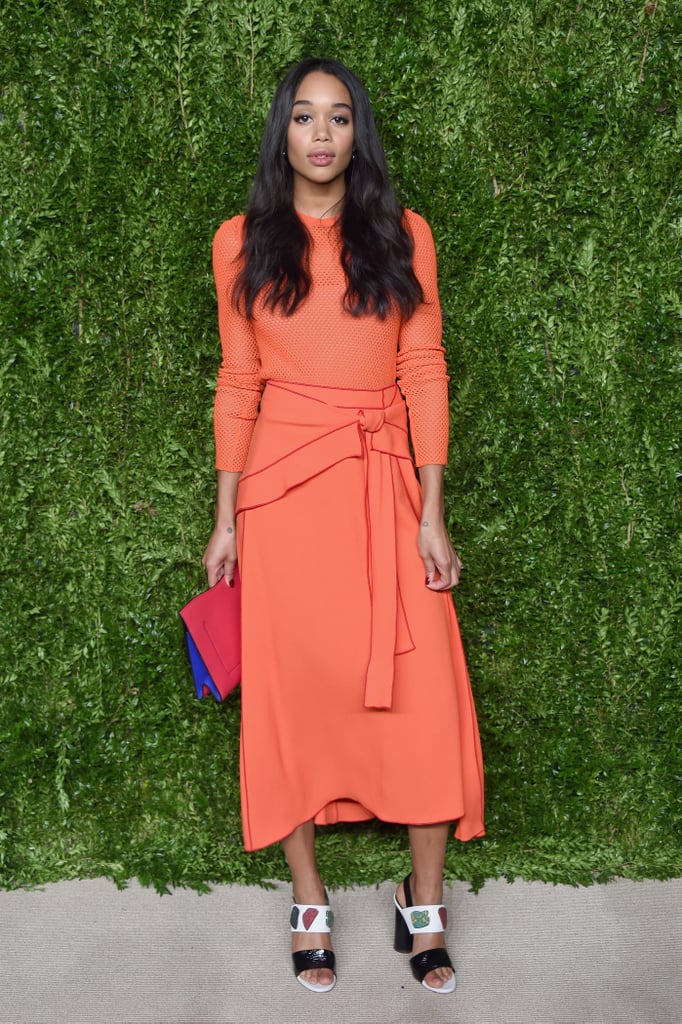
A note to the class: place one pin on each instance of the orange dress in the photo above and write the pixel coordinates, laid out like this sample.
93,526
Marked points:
356,700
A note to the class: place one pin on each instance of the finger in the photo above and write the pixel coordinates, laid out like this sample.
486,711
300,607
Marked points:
449,575
458,568
214,572
441,581
430,569
454,572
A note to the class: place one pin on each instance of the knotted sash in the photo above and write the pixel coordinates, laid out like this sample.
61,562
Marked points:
304,430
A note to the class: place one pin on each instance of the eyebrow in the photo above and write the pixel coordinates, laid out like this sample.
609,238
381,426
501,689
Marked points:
309,103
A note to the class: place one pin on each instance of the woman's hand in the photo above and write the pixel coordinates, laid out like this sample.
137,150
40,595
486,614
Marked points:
220,556
441,561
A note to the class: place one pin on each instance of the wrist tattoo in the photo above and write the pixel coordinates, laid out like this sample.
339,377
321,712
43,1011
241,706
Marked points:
425,522
230,530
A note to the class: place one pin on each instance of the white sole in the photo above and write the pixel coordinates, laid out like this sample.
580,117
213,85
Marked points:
315,987
449,986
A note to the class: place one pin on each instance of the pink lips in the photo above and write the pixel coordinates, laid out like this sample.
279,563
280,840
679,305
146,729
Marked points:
321,157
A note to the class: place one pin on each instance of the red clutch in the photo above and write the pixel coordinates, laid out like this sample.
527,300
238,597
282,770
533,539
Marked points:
213,621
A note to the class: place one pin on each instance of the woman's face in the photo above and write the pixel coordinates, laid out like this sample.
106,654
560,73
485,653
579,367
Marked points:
320,134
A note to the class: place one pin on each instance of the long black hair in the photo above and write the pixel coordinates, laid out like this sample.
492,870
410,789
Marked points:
376,252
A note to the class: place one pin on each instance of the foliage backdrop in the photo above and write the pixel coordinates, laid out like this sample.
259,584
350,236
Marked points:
542,142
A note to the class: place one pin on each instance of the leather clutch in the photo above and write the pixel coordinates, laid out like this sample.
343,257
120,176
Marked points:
212,622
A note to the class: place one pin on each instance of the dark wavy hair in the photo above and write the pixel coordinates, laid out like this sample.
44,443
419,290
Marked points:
376,252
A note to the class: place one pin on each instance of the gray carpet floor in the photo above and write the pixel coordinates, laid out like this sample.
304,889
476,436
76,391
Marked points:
526,953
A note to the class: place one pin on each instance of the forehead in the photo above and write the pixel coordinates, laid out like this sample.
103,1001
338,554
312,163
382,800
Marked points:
322,89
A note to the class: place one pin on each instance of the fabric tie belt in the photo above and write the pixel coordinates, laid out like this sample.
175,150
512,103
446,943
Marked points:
302,431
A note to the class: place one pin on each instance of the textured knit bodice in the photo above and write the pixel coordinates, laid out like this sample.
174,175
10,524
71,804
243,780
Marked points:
323,344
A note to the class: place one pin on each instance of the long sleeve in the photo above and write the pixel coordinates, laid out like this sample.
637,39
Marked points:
421,369
240,381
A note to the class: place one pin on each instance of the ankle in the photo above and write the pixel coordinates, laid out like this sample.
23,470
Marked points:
306,887
426,889
310,893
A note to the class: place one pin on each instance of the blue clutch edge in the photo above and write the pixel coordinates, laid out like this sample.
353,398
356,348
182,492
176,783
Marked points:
202,679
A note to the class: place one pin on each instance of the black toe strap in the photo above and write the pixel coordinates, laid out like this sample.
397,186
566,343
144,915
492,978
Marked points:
313,960
429,960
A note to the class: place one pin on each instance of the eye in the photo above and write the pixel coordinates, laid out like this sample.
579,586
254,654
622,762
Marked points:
340,119
302,118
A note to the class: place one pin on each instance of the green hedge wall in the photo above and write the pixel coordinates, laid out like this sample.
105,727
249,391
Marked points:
542,141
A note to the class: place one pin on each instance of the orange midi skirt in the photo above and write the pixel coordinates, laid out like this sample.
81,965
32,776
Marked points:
356,701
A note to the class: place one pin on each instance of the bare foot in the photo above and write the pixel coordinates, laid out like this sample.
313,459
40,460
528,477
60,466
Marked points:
313,940
429,940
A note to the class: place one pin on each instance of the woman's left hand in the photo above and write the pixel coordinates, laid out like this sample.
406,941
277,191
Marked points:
441,561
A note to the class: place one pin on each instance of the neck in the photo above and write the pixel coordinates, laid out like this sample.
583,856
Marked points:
321,205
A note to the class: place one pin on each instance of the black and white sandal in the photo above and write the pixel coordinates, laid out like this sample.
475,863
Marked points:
307,917
409,921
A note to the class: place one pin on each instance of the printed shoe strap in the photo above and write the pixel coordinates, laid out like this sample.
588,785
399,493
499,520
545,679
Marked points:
306,917
433,918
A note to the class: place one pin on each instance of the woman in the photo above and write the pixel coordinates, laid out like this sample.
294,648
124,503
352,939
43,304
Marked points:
355,695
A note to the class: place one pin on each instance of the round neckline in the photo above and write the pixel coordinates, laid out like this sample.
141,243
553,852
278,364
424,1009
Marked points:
307,218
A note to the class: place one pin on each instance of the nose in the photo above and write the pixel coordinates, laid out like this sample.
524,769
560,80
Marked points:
321,130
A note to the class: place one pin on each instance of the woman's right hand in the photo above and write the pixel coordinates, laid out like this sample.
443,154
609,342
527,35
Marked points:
220,556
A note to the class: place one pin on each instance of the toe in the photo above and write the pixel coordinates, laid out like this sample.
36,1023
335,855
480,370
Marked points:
322,977
439,977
